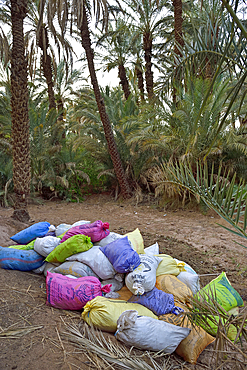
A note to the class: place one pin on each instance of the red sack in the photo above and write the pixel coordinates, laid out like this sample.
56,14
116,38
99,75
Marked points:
96,231
72,294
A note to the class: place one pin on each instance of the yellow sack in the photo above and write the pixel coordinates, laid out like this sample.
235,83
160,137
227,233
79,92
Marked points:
198,339
170,284
169,265
136,239
103,313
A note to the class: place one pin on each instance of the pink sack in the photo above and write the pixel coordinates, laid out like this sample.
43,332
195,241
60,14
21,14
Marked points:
96,231
72,294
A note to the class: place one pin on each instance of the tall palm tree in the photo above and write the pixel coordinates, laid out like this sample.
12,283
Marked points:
80,15
20,119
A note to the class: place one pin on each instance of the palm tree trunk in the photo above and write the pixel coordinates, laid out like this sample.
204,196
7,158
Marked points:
123,80
179,41
112,147
46,63
140,81
147,46
19,113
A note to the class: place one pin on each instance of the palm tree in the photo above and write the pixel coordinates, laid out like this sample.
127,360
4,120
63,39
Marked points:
149,22
19,113
80,15
117,41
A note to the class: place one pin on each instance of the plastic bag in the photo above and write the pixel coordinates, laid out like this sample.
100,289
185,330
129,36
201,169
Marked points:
171,284
15,259
156,300
45,246
169,266
143,278
115,284
108,239
75,244
121,255
220,289
103,313
198,339
153,249
32,232
98,262
75,268
136,239
61,229
191,280
72,294
96,231
147,333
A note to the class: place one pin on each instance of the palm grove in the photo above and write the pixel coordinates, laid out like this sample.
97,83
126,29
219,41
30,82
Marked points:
181,98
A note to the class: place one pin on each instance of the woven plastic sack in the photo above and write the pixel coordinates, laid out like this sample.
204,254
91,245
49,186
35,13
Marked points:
169,266
187,267
156,300
170,284
50,267
72,294
115,284
143,278
32,232
121,255
98,262
124,294
103,313
220,289
108,239
198,339
191,280
62,228
75,244
75,268
46,245
149,334
136,239
153,249
23,260
96,231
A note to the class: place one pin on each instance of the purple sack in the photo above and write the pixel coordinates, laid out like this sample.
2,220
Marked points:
72,294
156,300
121,255
96,231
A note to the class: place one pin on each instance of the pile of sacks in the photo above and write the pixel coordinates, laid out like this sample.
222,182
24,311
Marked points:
120,286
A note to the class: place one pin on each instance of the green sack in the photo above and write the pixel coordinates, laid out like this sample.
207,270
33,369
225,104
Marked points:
76,244
211,327
26,247
220,289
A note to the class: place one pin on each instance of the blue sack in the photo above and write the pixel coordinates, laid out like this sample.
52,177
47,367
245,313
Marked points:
17,259
156,300
121,255
32,232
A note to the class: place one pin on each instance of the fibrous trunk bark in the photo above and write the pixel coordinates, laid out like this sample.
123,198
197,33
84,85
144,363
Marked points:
112,147
147,46
123,80
179,41
19,113
140,81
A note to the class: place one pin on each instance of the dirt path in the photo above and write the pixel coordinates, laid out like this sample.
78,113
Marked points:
187,235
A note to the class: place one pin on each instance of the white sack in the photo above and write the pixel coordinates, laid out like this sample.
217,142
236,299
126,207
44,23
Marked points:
143,278
191,280
98,262
45,245
187,267
50,267
153,249
75,268
60,229
81,222
115,284
147,333
40,269
108,239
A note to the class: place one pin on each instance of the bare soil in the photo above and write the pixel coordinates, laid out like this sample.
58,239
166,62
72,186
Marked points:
188,235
